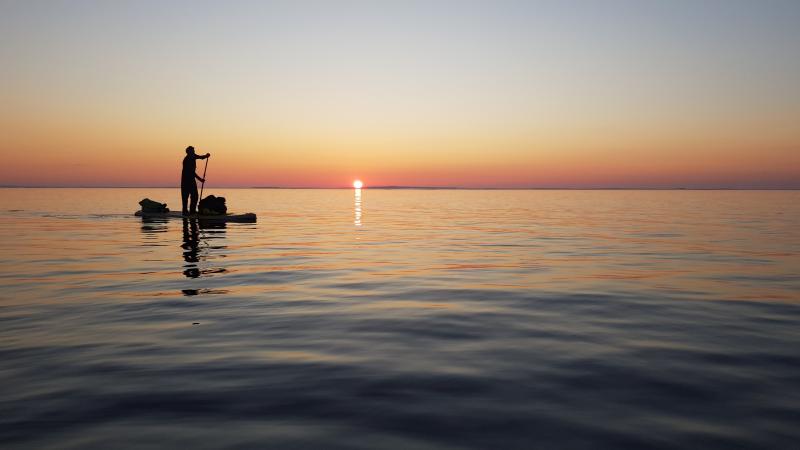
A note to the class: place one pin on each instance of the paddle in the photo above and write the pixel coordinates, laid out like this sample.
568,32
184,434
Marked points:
203,184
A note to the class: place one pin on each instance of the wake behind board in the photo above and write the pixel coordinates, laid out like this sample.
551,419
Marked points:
240,218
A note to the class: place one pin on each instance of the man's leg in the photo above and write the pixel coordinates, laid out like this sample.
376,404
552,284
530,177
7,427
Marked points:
194,199
185,199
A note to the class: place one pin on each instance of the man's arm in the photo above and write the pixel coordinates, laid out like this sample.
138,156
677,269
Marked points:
202,180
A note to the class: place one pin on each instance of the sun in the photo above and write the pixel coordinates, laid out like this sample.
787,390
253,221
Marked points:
358,184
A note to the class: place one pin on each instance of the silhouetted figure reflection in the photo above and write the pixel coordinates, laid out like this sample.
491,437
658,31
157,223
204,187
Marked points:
196,257
190,246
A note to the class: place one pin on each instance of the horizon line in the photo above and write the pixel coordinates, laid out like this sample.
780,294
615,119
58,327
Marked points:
400,187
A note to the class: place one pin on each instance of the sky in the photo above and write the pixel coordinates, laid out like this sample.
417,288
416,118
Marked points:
539,94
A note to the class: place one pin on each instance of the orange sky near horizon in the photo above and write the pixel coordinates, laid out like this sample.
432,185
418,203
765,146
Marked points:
505,95
70,155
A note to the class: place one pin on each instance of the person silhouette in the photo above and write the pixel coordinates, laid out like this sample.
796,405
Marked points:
188,183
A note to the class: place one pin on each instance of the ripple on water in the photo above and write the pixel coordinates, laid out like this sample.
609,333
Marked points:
446,319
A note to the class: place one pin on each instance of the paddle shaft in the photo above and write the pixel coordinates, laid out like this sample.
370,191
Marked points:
203,184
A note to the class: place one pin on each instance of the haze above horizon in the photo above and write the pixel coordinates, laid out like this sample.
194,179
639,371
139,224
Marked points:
544,94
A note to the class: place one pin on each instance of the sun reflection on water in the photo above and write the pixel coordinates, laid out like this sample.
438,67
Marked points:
357,207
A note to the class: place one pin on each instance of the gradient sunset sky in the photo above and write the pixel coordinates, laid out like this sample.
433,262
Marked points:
474,94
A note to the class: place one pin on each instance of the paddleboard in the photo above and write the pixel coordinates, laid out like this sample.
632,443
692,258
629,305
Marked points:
242,218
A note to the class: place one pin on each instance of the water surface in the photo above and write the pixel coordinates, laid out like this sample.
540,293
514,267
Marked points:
402,319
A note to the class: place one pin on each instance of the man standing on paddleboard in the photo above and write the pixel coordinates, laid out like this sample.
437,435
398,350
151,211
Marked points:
188,183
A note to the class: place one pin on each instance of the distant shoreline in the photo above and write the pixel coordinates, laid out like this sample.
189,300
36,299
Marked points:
434,188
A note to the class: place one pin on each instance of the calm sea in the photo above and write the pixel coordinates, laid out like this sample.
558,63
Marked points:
402,319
